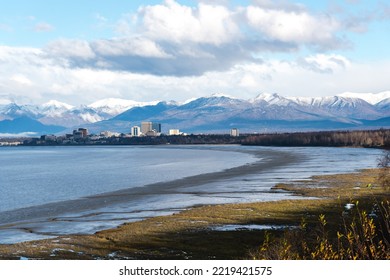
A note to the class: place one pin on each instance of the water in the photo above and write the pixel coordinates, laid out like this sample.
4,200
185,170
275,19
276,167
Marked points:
50,191
37,175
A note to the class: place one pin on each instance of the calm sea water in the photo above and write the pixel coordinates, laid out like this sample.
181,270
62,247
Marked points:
35,176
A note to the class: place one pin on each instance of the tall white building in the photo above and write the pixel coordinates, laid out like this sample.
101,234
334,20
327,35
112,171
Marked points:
234,132
136,131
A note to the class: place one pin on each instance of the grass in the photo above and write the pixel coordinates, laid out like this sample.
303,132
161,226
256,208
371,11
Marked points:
188,234
360,236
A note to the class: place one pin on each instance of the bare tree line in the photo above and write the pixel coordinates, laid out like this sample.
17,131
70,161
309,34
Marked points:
365,138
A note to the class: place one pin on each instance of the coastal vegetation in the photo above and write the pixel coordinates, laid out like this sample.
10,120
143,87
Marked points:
360,236
366,138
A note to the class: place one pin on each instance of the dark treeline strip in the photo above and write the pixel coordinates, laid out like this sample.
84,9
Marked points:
193,139
366,138
178,140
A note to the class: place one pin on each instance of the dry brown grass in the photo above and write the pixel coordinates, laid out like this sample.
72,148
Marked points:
188,234
362,236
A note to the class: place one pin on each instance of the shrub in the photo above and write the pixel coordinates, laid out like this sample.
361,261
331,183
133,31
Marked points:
384,173
363,237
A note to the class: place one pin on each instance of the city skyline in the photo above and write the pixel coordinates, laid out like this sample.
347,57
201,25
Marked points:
78,52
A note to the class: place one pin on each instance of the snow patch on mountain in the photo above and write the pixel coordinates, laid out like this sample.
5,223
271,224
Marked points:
115,106
271,99
336,102
201,112
372,98
90,118
56,105
303,101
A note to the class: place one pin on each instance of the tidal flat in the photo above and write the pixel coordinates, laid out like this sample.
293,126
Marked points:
225,231
47,192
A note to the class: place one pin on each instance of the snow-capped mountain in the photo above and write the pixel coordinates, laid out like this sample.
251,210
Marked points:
344,107
13,110
215,100
53,110
272,99
372,98
56,106
268,111
115,106
384,105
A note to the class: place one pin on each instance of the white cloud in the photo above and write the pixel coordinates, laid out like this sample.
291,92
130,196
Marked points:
210,24
291,79
129,46
43,27
298,27
324,63
171,39
21,79
101,18
26,72
67,48
172,51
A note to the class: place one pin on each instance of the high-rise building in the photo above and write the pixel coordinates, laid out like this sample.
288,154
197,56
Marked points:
146,127
156,127
234,132
84,132
136,131
150,126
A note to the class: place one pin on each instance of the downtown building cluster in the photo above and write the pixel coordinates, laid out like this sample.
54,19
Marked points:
82,135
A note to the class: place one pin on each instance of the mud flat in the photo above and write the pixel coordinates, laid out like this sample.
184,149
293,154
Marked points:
107,210
228,231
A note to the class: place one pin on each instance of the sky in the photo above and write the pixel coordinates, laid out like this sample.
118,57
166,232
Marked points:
82,51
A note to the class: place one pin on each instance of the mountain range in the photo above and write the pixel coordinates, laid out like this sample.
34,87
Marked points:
216,113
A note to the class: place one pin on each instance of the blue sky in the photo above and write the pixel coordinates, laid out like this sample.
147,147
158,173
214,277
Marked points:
82,51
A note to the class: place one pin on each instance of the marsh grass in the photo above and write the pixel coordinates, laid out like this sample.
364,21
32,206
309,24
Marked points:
360,236
188,234
361,231
384,167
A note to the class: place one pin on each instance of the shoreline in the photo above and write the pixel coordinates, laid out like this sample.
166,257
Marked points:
191,234
131,238
30,219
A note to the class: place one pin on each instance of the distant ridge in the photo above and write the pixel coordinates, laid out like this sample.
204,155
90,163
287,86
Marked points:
214,113
28,125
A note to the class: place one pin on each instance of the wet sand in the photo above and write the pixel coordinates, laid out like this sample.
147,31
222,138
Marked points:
26,218
230,231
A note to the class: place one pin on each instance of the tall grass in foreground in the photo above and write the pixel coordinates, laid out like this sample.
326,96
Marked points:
362,237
